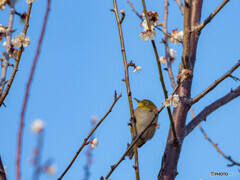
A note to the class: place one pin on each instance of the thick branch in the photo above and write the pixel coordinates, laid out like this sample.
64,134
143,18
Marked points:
211,87
186,37
167,55
171,155
89,135
19,146
8,48
210,17
215,145
133,127
20,51
211,108
160,74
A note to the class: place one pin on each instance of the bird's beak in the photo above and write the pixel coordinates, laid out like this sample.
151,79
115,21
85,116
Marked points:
137,100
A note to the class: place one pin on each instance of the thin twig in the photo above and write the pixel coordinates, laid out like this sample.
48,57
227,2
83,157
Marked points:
8,47
132,144
20,51
123,16
133,127
180,5
160,74
210,17
167,54
215,144
138,137
169,35
85,142
2,171
135,10
211,108
27,91
218,81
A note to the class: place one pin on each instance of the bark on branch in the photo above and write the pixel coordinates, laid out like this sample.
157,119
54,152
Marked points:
161,75
215,145
17,61
211,108
85,142
218,81
133,127
8,47
210,17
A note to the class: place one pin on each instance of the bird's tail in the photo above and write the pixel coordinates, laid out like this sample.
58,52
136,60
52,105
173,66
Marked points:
130,153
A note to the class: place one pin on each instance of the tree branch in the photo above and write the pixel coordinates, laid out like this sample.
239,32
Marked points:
20,51
133,127
167,55
160,74
210,17
211,87
132,144
139,136
169,35
85,142
186,37
171,155
215,145
8,47
180,5
27,93
211,108
134,10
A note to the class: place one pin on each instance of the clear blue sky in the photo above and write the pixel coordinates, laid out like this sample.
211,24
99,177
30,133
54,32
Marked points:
79,68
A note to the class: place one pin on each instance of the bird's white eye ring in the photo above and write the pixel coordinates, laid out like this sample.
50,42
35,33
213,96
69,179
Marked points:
146,103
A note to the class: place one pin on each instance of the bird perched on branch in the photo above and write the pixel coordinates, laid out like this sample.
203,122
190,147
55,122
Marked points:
144,113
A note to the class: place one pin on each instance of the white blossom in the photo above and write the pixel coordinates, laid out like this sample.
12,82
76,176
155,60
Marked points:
145,26
94,143
166,103
176,36
30,1
163,60
137,69
4,44
94,118
173,53
37,126
185,73
2,29
20,40
51,169
174,100
148,35
2,4
122,11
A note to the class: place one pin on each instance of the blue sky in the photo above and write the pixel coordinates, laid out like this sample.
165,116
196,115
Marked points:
80,66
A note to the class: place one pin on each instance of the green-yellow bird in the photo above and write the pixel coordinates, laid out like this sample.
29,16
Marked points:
144,113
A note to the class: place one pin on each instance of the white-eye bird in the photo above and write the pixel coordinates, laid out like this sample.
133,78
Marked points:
144,113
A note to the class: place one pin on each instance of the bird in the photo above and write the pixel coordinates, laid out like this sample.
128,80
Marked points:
143,114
